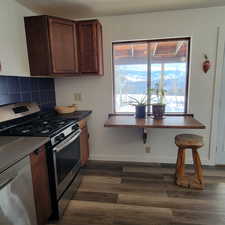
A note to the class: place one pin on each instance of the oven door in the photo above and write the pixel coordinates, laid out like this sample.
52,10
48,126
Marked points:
66,161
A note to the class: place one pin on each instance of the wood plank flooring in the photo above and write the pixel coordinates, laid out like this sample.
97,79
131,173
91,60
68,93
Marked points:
144,194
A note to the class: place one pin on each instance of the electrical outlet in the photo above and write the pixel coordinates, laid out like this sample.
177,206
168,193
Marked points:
147,149
77,97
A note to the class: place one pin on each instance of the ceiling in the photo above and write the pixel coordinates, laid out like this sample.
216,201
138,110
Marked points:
96,8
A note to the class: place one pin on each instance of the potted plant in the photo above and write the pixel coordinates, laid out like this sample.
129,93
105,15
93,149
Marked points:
140,106
158,108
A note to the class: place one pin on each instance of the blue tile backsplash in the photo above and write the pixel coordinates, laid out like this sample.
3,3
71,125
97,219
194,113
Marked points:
27,89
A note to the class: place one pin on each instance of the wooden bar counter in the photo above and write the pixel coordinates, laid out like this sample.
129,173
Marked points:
170,121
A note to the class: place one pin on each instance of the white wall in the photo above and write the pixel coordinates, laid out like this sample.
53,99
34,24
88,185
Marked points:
13,50
124,143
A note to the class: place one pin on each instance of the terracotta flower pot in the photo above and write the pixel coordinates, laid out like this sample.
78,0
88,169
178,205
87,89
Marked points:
158,110
140,111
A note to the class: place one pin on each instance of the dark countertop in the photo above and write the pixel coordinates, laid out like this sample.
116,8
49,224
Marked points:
13,149
77,115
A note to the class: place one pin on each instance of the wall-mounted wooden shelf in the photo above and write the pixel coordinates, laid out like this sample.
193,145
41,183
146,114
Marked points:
178,122
175,122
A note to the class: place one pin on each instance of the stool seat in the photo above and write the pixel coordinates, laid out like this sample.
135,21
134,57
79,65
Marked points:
189,141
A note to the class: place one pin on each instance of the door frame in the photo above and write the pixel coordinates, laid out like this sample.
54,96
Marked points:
219,62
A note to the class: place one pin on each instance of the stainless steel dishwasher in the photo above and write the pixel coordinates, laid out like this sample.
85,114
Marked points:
16,195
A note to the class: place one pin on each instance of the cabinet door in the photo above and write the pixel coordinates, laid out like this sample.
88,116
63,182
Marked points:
84,145
63,45
41,185
90,47
37,37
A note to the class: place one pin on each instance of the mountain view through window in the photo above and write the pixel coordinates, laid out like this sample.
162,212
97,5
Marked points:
141,66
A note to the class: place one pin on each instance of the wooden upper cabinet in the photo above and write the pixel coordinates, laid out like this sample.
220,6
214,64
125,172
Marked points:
90,49
63,45
52,46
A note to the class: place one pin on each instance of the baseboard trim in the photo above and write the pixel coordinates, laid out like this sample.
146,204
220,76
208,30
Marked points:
135,158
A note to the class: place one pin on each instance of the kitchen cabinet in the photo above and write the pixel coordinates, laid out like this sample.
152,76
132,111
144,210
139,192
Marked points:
40,179
84,142
59,47
51,45
90,49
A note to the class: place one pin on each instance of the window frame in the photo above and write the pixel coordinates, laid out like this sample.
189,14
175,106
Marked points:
187,76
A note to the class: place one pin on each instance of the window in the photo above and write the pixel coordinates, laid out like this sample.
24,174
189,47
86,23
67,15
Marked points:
142,65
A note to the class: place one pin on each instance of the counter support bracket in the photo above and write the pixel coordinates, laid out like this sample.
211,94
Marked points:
144,135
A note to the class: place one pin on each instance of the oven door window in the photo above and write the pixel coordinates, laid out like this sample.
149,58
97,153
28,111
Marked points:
66,159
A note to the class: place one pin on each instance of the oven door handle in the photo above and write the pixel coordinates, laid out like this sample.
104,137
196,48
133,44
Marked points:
67,141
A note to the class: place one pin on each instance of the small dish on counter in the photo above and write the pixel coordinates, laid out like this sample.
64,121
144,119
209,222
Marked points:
65,109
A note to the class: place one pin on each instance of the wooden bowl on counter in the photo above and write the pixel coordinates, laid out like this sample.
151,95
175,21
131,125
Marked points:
65,109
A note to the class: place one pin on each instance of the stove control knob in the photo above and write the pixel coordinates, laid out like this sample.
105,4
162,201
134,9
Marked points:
75,127
62,136
57,139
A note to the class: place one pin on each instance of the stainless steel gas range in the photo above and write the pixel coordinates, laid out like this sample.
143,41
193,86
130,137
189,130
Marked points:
63,149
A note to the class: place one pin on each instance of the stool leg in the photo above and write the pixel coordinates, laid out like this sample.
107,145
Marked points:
180,169
198,181
180,162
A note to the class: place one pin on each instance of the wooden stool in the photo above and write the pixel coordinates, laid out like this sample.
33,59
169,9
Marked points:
184,141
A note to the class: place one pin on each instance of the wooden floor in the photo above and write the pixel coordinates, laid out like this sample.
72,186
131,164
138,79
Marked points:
141,194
